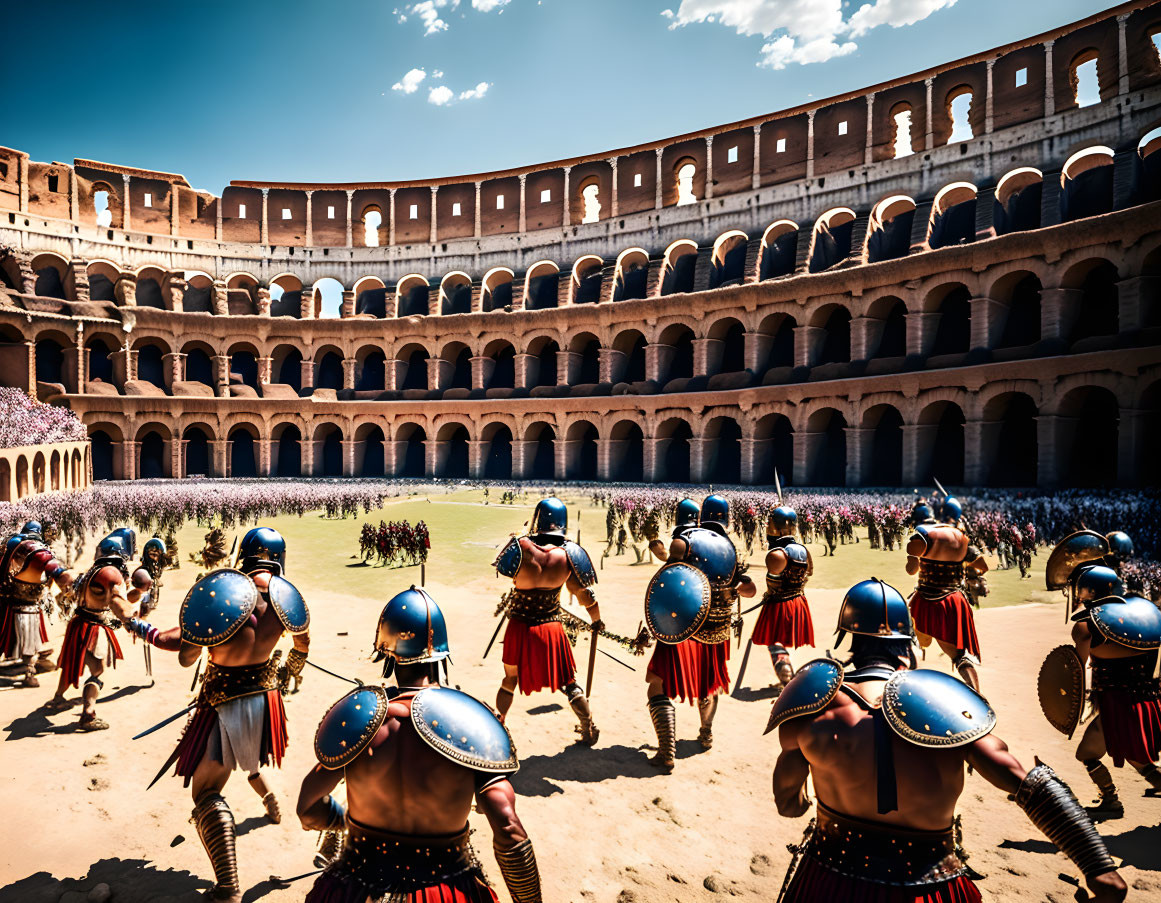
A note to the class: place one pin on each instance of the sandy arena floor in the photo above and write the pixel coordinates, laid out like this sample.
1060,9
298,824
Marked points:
606,827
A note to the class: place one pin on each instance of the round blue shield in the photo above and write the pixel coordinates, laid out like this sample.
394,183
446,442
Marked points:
676,602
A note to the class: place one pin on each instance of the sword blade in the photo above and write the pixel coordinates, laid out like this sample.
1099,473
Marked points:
778,485
197,673
349,680
495,634
592,664
742,669
939,486
617,660
161,724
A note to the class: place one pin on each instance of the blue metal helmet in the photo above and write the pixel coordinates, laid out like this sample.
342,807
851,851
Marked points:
950,510
550,517
32,528
687,513
783,521
1097,582
262,548
156,544
877,609
1120,546
411,630
715,510
120,544
921,513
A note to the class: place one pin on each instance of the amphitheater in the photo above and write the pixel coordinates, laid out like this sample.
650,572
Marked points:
955,274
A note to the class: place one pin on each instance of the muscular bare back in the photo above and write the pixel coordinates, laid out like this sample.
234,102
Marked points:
541,567
256,640
401,784
838,746
944,543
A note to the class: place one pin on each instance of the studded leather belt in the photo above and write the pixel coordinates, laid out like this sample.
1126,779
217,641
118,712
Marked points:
223,683
389,864
534,606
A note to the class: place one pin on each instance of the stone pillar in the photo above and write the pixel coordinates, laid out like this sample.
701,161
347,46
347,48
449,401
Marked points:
221,299
265,371
568,365
122,361
349,365
434,229
350,224
477,232
1059,308
612,364
174,210
869,142
699,451
929,115
306,374
865,335
658,358
439,373
222,374
1049,428
81,359
987,322
129,469
220,455
391,217
262,302
749,469
1122,56
308,236
609,452
1131,303
1132,446
307,449
756,177
176,450
350,448
562,453
802,448
265,216
523,205
858,442
1049,87
807,343
615,208
707,356
527,367
174,364
347,305
477,457
989,104
810,144
658,196
265,456
394,373
921,329
757,350
482,368
974,465
218,219
74,199
709,167
126,206
22,175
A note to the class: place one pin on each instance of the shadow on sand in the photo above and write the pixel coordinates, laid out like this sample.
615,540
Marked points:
588,766
1138,847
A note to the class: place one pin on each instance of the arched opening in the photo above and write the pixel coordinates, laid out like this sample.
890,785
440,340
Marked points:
498,461
286,296
410,444
286,367
152,463
1085,79
732,334
1149,182
1017,204
51,276
1087,438
453,438
287,450
891,223
21,477
779,250
543,452
243,460
413,294
1021,327
780,327
729,260
588,371
680,365
672,451
1010,447
940,444
372,364
54,474
150,366
629,366
460,357
773,450
244,369
1087,184
582,451
415,358
198,297
102,213
370,298
901,120
832,239
632,275
504,371
327,296
38,481
371,450
891,342
50,357
885,467
149,293
328,370
99,360
196,445
826,459
590,197
497,294
1099,308
959,105
455,294
627,452
679,268
953,330
328,450
586,280
723,451
835,344
684,173
372,223
542,364
541,286
101,452
103,278
242,295
953,216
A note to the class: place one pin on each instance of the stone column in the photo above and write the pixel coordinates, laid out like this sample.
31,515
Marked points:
657,201
222,376
74,198
749,469
523,204
921,329
527,367
563,450
439,373
265,216
482,368
865,335
858,441
614,209
1132,446
567,212
1122,55
658,358
306,371
1049,428
918,448
810,144
987,322
477,457
989,104
699,450
126,206
177,465
129,467
221,299
807,342
262,302
709,167
477,232
568,365
174,364
265,456
757,349
869,143
391,217
220,455
929,115
22,175
434,212
308,235
1131,303
218,220
1059,308
974,466
350,224
1049,87
81,363
756,177
651,454
349,366
707,356
265,371
802,448
612,364
174,210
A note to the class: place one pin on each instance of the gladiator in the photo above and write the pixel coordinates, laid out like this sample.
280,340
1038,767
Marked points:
105,597
239,722
686,517
784,621
689,609
153,561
1121,637
537,653
940,554
415,758
27,572
886,746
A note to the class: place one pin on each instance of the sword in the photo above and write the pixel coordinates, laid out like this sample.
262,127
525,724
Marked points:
357,683
161,724
753,607
148,661
503,618
778,485
939,486
197,674
617,660
592,663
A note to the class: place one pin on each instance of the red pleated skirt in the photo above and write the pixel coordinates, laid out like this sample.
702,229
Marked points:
812,883
785,623
949,619
191,748
1132,729
8,630
541,654
691,670
334,888
81,637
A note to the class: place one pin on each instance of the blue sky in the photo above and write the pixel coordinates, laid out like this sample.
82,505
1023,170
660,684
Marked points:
302,90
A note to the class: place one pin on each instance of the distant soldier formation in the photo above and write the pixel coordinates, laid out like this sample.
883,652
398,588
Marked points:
883,742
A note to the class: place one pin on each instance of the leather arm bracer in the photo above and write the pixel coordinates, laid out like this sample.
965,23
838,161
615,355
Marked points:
295,663
1052,808
152,635
518,866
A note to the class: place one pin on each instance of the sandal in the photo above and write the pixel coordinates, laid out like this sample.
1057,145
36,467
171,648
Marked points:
58,704
93,724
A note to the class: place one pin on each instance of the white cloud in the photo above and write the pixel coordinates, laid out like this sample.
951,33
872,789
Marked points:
478,91
486,6
802,31
440,95
428,12
437,74
409,84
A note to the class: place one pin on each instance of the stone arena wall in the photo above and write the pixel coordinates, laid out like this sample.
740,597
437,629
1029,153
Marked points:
33,469
872,289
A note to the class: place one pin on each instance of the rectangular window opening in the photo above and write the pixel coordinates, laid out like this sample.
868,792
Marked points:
546,195
53,183
330,212
414,212
637,180
286,213
241,211
780,146
148,199
456,209
843,127
1021,77
499,202
732,154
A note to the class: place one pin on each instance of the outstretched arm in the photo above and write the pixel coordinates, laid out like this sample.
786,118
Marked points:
510,842
587,598
317,809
